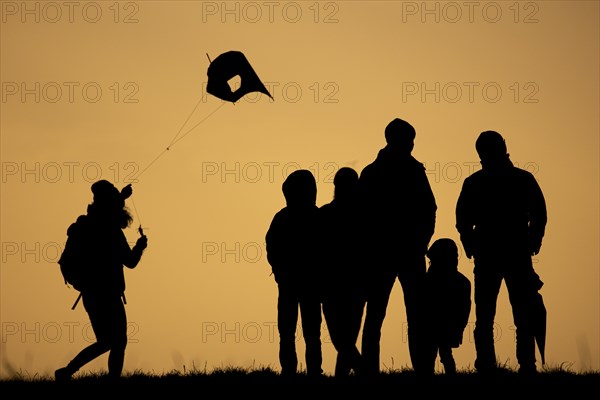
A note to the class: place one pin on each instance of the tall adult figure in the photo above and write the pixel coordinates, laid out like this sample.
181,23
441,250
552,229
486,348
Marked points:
399,213
501,218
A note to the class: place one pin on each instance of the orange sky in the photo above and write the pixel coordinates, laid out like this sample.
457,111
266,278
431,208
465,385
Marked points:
99,89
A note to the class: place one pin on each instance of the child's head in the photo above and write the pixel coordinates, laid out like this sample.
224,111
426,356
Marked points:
443,254
300,189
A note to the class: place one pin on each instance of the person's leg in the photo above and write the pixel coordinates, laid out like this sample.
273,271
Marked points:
332,311
378,295
287,320
310,311
412,278
85,356
355,314
488,280
118,339
447,360
98,318
522,287
348,355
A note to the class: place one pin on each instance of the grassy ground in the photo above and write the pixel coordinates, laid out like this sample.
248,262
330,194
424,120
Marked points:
267,383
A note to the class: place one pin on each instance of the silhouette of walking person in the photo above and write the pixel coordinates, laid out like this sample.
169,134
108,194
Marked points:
399,212
106,251
343,292
501,218
291,244
448,302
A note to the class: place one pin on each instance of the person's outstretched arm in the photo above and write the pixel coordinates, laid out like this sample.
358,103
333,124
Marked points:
132,256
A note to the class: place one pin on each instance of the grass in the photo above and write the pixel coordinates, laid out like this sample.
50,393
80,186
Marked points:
265,381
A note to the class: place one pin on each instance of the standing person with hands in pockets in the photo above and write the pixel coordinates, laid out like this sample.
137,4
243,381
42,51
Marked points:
501,218
398,220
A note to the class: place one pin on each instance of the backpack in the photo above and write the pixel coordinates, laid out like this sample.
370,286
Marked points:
72,261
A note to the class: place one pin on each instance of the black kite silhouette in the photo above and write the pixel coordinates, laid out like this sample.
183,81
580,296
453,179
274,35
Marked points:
227,66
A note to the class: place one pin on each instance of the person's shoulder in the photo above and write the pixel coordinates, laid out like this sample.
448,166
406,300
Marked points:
462,278
523,178
475,177
366,171
313,212
327,207
279,215
327,211
293,213
479,174
523,174
80,224
282,213
416,163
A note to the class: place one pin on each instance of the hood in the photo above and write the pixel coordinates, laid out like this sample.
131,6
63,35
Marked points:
300,188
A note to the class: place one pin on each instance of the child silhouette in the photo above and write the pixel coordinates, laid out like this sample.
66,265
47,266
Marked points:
448,302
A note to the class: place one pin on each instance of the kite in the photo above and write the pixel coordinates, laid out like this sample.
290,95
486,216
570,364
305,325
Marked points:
222,69
227,66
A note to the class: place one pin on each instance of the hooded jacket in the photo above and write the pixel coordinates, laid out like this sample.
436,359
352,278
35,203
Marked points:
291,240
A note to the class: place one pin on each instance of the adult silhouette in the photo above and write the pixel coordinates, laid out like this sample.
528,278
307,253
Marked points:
399,212
448,302
342,264
292,249
106,251
501,218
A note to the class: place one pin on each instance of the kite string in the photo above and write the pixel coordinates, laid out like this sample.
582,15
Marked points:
194,127
136,211
185,122
175,139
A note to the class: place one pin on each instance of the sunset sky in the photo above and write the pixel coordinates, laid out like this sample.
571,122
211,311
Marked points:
99,90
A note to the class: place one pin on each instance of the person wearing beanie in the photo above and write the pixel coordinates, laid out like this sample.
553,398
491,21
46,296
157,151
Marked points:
104,252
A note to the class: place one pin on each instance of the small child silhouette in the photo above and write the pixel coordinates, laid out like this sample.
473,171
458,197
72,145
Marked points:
448,302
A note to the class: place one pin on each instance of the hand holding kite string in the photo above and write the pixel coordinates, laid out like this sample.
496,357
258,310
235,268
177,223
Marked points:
220,71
